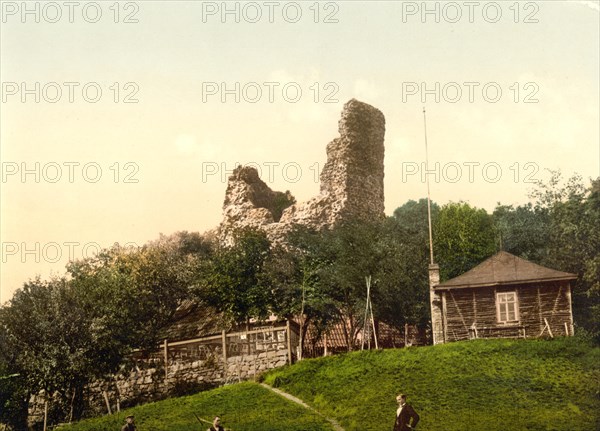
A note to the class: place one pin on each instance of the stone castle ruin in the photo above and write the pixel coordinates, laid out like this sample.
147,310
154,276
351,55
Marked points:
351,186
351,183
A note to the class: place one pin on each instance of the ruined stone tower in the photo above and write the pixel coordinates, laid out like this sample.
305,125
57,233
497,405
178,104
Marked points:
351,183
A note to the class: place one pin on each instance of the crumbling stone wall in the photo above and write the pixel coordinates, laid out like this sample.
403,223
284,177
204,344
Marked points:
147,385
351,183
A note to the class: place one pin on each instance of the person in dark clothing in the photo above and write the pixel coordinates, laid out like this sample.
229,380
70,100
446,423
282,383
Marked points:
216,425
130,425
406,417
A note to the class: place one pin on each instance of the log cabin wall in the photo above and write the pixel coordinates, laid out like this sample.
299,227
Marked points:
472,312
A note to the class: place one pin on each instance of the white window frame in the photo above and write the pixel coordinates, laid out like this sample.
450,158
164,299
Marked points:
501,299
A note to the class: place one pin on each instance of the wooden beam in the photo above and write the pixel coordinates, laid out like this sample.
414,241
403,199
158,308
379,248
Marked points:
474,307
570,308
289,340
444,317
548,326
556,300
166,353
45,414
459,312
107,402
539,304
224,343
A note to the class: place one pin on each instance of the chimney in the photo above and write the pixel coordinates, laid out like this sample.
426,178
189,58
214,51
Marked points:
435,301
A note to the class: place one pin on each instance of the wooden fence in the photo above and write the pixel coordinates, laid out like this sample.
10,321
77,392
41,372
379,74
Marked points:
225,345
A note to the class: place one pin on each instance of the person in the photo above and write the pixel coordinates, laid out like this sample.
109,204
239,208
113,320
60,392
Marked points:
216,425
406,417
130,425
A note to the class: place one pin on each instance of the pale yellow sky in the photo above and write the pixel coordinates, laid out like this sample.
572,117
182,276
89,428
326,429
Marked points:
511,89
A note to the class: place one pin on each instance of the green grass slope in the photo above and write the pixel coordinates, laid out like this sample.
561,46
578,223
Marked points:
242,407
483,385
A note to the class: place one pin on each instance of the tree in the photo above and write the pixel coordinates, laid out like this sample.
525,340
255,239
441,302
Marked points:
463,237
294,271
561,230
413,217
325,273
522,230
414,255
53,340
133,293
233,280
573,240
63,333
401,290
13,391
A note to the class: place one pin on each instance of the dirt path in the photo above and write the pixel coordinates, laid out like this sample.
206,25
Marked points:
333,422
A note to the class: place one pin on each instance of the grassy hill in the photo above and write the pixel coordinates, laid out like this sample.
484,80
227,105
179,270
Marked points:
485,385
242,407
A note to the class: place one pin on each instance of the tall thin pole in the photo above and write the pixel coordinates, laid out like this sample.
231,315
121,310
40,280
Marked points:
366,324
373,325
428,193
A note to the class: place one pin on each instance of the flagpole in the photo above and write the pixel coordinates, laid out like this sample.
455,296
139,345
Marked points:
428,192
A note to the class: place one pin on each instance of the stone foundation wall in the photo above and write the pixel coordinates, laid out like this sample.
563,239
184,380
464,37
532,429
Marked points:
151,384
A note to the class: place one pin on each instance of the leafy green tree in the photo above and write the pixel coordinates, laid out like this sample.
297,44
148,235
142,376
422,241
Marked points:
54,341
13,391
326,274
413,253
561,230
295,274
463,237
413,217
522,230
573,240
401,289
136,291
233,280
66,332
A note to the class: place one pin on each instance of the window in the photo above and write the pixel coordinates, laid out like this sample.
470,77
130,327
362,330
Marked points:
507,306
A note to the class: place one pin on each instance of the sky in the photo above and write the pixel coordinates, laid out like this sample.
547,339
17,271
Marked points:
122,120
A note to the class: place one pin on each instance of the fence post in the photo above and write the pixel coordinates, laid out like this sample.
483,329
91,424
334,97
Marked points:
45,412
166,359
105,395
288,334
224,341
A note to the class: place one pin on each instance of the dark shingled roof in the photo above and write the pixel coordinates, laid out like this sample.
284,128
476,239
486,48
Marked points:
504,268
194,320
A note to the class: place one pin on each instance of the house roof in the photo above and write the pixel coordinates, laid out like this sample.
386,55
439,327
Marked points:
504,268
195,319
192,320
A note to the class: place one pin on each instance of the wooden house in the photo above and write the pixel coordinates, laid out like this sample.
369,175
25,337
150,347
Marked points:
504,296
